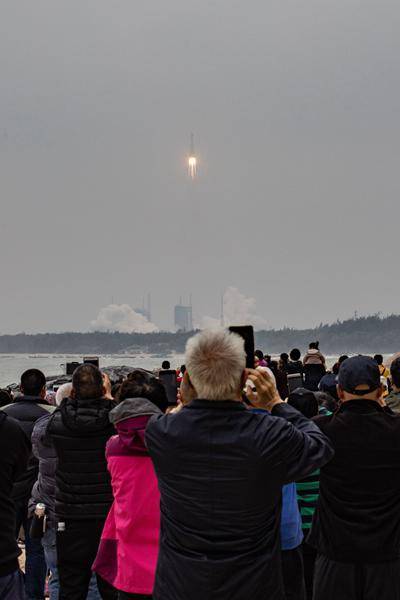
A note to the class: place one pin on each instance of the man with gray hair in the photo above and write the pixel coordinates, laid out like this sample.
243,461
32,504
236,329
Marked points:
221,469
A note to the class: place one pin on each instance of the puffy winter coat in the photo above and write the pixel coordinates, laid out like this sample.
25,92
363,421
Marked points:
80,429
128,551
27,410
314,357
221,469
45,487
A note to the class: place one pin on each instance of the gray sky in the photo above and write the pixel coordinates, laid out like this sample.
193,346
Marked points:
295,108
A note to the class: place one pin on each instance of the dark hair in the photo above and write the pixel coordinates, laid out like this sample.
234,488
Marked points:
378,358
342,358
32,382
166,365
395,372
335,368
284,357
295,354
87,382
304,401
259,354
273,365
115,389
313,345
326,400
5,398
140,386
183,369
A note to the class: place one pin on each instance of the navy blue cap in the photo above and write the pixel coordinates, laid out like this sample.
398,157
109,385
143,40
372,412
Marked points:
359,370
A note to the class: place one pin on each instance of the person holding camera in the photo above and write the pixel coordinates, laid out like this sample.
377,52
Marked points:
220,469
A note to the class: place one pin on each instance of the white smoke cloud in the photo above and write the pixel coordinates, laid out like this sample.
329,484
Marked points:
122,318
238,310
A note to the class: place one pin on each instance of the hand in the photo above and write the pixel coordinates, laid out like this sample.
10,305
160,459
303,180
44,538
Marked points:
266,396
172,410
107,387
251,393
187,393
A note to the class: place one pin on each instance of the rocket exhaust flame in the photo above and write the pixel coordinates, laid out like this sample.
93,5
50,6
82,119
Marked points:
192,166
192,160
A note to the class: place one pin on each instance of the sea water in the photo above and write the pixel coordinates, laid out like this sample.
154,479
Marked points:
13,365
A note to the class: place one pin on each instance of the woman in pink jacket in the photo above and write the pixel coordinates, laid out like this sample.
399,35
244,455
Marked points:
128,551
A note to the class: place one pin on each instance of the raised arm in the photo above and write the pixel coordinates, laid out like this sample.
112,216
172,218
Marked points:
304,448
299,443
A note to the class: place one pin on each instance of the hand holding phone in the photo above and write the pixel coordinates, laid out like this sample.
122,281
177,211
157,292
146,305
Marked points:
266,396
247,333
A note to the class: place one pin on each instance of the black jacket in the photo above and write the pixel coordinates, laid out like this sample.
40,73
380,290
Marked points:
358,513
221,469
44,489
294,366
14,453
80,430
27,410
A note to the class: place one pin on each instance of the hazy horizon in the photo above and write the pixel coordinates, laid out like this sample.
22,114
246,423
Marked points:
294,108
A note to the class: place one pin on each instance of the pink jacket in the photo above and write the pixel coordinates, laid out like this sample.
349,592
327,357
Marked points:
128,550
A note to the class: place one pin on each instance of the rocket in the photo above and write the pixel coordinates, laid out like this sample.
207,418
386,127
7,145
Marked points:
192,160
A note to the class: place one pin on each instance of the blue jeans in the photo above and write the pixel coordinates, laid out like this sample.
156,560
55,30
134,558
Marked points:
12,586
50,552
35,564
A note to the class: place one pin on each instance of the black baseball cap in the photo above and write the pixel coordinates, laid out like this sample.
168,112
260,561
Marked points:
359,370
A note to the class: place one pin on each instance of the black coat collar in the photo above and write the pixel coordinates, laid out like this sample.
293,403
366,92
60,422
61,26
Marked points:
32,399
210,404
361,406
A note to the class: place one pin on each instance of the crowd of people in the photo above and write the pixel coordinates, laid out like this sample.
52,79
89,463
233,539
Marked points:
280,482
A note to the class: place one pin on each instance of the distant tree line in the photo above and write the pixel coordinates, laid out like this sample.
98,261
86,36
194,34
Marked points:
363,334
371,334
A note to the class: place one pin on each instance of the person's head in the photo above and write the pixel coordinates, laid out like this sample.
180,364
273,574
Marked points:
64,391
215,362
378,358
166,365
259,354
325,400
304,401
273,365
284,358
359,378
295,354
395,372
335,368
342,359
33,383
149,388
5,398
183,369
313,345
115,389
87,382
50,397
